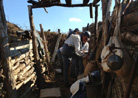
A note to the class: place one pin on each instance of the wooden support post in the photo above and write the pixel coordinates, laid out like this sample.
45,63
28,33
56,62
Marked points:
96,23
5,58
106,14
91,10
56,46
45,44
40,79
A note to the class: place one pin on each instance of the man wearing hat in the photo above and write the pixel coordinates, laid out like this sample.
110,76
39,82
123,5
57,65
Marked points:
72,46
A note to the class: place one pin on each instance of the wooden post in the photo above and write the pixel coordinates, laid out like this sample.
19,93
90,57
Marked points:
45,44
5,58
96,24
91,10
106,14
56,46
40,79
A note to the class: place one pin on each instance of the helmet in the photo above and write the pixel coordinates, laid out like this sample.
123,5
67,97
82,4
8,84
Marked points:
76,30
87,33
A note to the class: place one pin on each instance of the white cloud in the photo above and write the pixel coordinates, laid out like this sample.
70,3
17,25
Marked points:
75,19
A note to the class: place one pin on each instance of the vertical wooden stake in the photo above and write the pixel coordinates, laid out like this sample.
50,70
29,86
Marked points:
91,10
108,10
5,58
40,79
56,46
45,44
96,23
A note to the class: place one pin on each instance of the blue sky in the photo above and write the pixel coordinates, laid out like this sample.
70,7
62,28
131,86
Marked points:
57,17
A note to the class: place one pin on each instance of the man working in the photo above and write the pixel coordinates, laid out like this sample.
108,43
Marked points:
73,46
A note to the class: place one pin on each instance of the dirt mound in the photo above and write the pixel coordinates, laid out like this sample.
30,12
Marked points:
52,38
12,29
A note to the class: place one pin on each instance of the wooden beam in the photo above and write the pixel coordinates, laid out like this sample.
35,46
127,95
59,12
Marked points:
91,10
45,44
40,78
5,56
56,46
62,5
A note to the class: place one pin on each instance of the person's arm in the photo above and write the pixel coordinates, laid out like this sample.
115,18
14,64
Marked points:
85,48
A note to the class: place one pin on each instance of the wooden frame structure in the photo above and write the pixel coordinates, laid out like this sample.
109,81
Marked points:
44,5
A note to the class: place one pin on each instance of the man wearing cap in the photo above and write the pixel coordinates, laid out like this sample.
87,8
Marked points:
72,46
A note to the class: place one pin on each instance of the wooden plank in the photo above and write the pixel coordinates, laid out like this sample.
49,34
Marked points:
5,56
50,92
56,46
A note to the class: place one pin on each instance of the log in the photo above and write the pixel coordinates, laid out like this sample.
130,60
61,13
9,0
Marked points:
21,67
22,56
45,44
27,61
16,65
5,56
19,47
63,5
96,23
106,9
24,82
56,47
127,36
23,71
25,75
40,79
